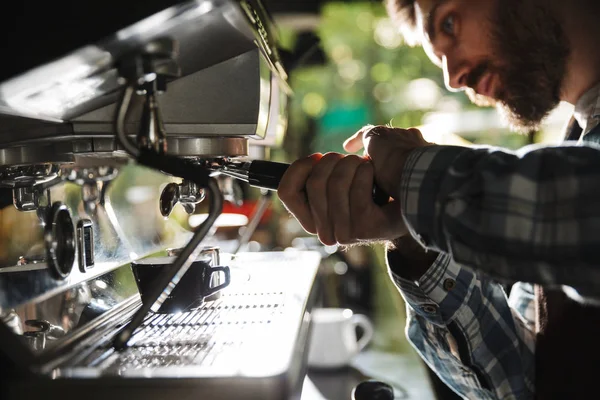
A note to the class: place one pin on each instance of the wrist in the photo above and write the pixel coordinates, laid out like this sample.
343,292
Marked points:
406,164
408,259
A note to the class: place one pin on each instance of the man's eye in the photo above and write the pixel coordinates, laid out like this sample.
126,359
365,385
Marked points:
448,25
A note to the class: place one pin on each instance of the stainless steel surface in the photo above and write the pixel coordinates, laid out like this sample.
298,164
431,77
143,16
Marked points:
59,240
207,31
232,98
103,151
168,199
26,199
123,230
94,180
187,193
90,174
247,231
43,331
85,244
35,154
190,195
152,135
236,169
28,175
232,192
44,324
249,344
225,81
253,330
208,147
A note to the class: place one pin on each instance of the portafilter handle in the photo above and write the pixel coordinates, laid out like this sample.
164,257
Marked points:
268,175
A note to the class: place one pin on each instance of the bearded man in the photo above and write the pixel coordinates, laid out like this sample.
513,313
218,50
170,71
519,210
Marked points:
461,220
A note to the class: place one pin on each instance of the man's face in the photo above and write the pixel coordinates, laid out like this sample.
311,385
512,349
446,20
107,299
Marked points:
508,53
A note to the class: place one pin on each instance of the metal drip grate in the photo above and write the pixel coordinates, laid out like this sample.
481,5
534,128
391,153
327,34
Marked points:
257,329
209,336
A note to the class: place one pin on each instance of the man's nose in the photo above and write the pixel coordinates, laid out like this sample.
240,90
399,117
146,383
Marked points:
455,75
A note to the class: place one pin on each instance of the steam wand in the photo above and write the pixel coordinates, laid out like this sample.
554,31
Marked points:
180,167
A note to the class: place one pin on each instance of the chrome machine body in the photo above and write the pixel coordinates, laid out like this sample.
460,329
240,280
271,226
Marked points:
207,85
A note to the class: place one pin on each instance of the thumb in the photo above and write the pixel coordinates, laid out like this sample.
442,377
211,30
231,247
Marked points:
355,142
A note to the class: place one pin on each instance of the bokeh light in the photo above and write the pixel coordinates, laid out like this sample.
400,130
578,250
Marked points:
386,34
364,21
381,72
422,94
341,52
314,104
383,92
352,70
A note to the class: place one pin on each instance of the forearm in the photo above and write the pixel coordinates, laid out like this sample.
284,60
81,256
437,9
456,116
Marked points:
454,316
528,216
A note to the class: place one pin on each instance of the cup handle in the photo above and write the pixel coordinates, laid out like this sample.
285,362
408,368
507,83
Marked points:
367,327
213,290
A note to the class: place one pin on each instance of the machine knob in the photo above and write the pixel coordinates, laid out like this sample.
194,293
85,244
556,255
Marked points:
373,390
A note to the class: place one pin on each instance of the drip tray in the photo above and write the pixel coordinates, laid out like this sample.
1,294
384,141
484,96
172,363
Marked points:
211,336
255,329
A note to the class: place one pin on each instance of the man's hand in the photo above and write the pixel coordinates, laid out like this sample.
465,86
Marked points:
388,149
331,195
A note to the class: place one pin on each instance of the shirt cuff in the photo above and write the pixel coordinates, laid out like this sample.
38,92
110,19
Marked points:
440,293
420,189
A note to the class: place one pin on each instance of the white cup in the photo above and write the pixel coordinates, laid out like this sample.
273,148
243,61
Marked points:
333,341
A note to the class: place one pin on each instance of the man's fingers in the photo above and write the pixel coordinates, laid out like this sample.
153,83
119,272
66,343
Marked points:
316,190
355,142
338,190
380,145
371,221
361,201
293,194
362,139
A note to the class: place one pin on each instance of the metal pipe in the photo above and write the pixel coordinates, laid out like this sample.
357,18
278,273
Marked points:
261,208
122,109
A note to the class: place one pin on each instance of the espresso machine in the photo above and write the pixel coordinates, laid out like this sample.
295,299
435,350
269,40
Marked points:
102,146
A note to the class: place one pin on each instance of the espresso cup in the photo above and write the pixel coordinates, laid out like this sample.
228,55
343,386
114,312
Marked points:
195,285
333,340
211,255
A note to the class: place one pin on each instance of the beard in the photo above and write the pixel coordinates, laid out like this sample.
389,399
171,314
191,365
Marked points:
530,53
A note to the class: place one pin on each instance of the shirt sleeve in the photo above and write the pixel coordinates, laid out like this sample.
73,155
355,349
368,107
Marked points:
461,324
531,215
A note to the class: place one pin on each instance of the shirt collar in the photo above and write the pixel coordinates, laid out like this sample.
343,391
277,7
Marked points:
587,109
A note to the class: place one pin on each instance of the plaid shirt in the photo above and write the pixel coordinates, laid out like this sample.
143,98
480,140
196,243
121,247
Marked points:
479,343
530,216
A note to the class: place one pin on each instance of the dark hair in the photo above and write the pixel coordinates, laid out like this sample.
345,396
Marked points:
403,13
